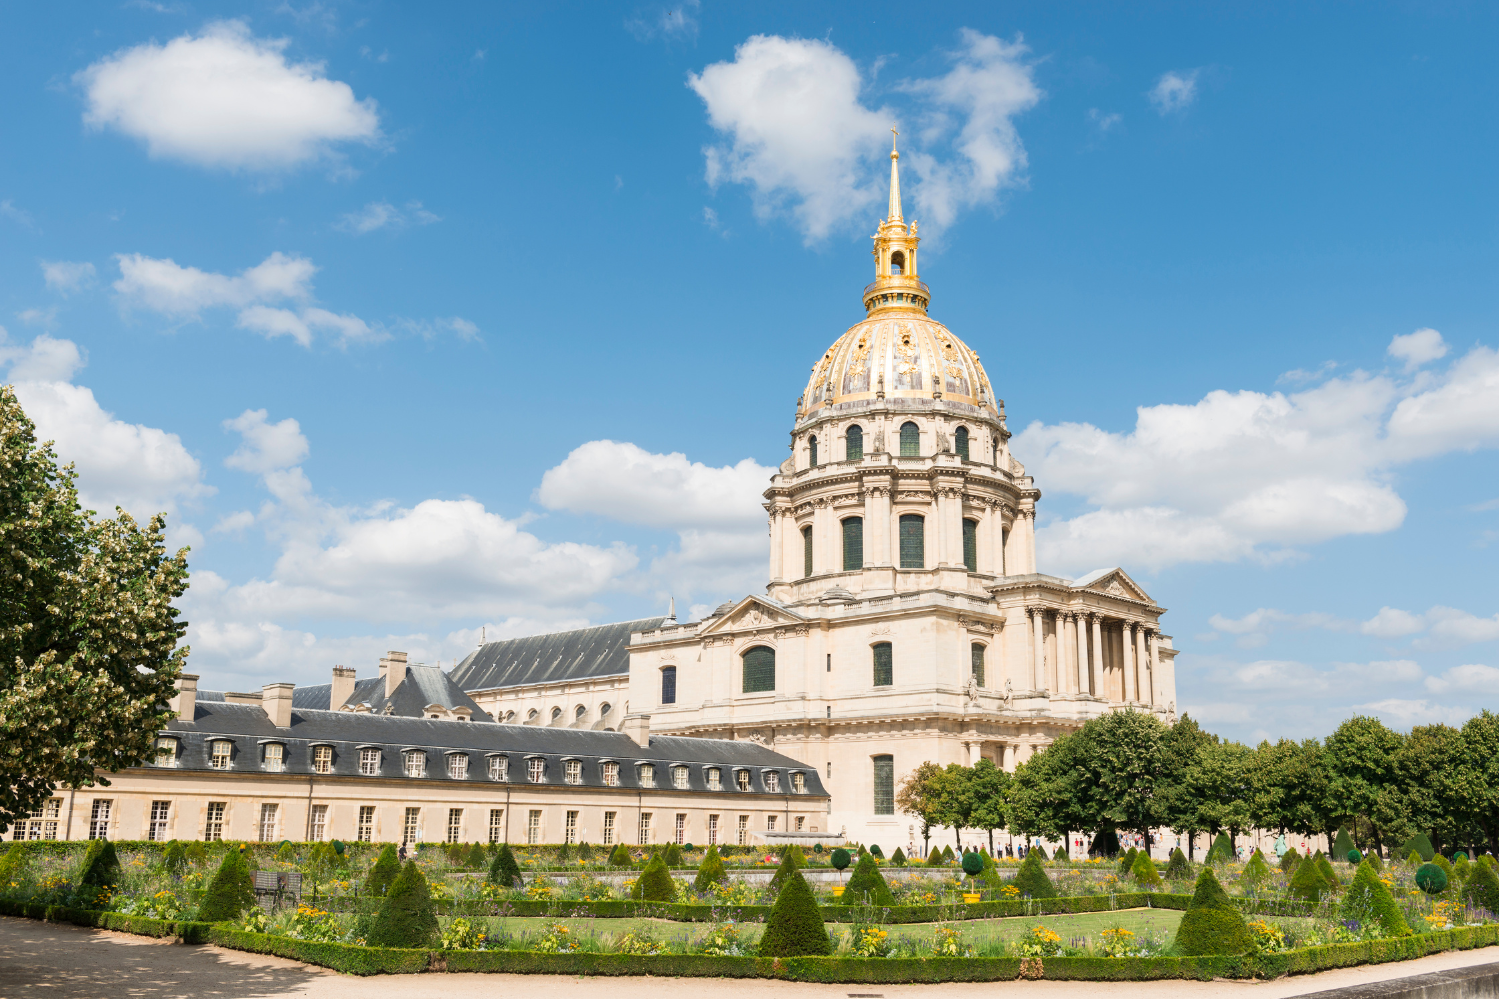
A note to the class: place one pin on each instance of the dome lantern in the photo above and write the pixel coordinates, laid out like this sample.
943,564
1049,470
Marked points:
895,288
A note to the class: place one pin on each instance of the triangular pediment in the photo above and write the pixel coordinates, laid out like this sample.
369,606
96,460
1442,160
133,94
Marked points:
753,612
1115,582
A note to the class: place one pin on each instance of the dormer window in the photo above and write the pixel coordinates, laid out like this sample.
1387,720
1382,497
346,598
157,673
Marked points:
572,772
499,768
647,775
275,757
369,762
679,777
416,763
166,751
742,779
798,783
715,779
221,754
322,759
611,773
536,770
457,766
772,782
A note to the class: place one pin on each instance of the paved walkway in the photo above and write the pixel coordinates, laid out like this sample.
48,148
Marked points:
64,962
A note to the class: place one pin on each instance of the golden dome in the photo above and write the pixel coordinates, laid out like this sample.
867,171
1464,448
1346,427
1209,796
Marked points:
898,357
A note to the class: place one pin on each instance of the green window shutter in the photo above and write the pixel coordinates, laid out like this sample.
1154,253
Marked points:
978,664
759,670
910,441
884,785
971,545
884,665
912,541
806,551
812,448
853,544
855,444
960,440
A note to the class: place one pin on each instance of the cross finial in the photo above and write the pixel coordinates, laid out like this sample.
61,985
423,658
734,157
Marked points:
892,138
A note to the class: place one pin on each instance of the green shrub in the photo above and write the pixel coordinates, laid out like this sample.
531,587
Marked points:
1038,848
12,865
504,872
934,859
1482,888
285,852
1444,864
1461,867
1211,924
673,856
655,883
947,855
585,852
875,851
1414,859
197,852
1289,860
1342,843
841,858
1256,871
1329,873
1431,879
710,872
973,864
174,857
1421,845
1127,862
1144,872
1354,857
794,927
867,885
620,856
898,859
231,891
407,917
101,866
1368,900
383,873
1309,883
1222,850
1378,863
564,854
1178,867
1031,880
477,858
788,864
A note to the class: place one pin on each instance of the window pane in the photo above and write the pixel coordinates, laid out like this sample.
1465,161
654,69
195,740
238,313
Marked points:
812,451
978,664
971,545
806,551
884,667
960,441
910,441
912,541
853,543
855,443
669,685
759,669
884,785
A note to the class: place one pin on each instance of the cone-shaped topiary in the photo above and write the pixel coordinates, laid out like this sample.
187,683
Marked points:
504,872
407,917
1444,864
564,853
585,852
383,872
1256,871
1289,860
934,859
947,855
477,858
1374,859
710,872
1369,901
1031,880
655,883
673,855
1038,848
899,858
794,927
1144,872
1487,860
285,852
196,852
1211,924
867,885
174,857
1309,884
231,891
1461,868
1341,844
1414,859
619,856
1061,854
788,864
1127,862
1222,850
101,866
1482,888
1178,867
1431,879
1421,844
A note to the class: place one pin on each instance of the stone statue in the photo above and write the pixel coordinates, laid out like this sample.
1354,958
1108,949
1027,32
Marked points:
973,690
1171,713
1009,693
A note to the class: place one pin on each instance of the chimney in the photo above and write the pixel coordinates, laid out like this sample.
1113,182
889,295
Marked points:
186,701
638,727
276,699
343,686
393,668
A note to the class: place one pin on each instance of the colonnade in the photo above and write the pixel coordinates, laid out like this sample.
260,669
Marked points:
1081,664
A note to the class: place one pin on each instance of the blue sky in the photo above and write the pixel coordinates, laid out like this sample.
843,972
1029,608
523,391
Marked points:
425,322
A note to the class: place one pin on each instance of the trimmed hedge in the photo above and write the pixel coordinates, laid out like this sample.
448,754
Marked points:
188,932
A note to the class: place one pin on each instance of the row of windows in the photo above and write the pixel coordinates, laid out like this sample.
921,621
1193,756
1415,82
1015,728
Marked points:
760,667
910,443
912,544
534,715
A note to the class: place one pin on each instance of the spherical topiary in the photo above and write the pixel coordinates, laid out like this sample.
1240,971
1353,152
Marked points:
817,848
841,858
655,883
231,891
1482,888
1144,872
1031,880
898,858
1211,924
875,851
1369,901
407,917
1459,855
383,873
1355,858
504,872
1178,867
794,927
973,864
710,872
1431,879
867,885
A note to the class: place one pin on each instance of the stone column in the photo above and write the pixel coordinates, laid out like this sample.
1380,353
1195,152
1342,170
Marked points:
822,561
997,538
1038,647
1151,658
985,550
945,540
1080,650
1127,659
1095,686
1142,664
777,555
1030,541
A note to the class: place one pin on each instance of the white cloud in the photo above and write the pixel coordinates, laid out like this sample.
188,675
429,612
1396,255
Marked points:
226,99
384,215
20,216
431,329
164,286
65,276
43,360
1105,122
1470,679
1391,622
265,446
1174,91
1418,348
1399,713
1252,475
300,326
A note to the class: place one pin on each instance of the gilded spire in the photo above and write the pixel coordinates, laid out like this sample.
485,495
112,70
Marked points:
895,215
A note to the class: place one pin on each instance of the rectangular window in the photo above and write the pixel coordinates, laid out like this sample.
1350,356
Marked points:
98,823
411,827
41,823
499,768
222,753
801,822
647,775
743,829
853,544
679,778
275,754
806,551
715,779
369,762
609,828
977,652
854,448
213,830
536,770
712,830
681,828
156,831
496,825
416,763
268,823
455,824
458,766
570,828
668,685
645,828
319,823
772,781
573,772
322,759
799,783
884,665
166,752
366,831
742,779
770,823
884,785
971,545
912,541
611,774
533,826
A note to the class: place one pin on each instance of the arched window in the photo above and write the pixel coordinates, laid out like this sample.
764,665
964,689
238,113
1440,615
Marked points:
971,544
532,715
854,444
668,685
556,713
579,712
884,785
912,541
853,543
812,451
759,669
977,653
910,440
509,717
897,262
884,665
960,442
604,710
806,551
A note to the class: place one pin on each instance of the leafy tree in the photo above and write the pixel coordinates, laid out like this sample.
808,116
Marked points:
1219,781
1360,763
1477,781
1179,749
989,788
88,635
919,794
407,917
1288,783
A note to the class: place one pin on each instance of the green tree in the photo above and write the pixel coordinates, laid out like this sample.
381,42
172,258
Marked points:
989,788
1288,782
1360,765
1476,786
919,795
89,637
1219,782
1179,749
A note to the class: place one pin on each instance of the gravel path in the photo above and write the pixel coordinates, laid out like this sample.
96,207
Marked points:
70,962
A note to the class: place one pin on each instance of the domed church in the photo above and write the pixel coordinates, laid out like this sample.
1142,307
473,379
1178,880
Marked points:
905,618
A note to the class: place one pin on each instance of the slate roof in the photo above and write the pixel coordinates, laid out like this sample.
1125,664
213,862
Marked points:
248,727
423,686
603,650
